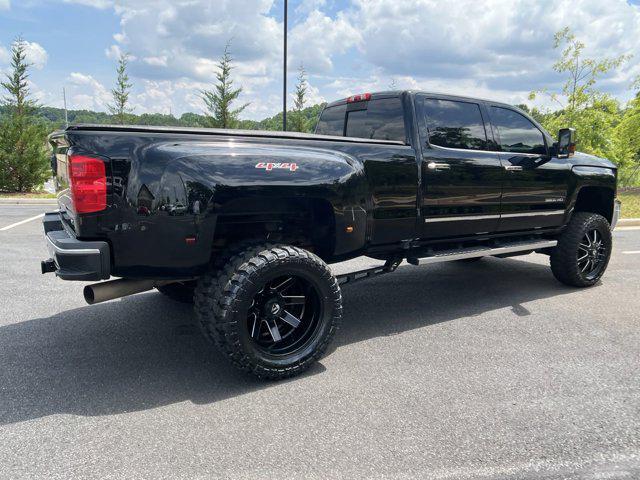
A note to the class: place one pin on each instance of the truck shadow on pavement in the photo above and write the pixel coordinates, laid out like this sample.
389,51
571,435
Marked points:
145,351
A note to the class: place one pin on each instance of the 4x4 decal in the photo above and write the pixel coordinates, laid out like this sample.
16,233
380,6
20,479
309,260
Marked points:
268,166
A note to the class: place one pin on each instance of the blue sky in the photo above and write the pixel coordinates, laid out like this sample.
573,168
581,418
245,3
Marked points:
499,49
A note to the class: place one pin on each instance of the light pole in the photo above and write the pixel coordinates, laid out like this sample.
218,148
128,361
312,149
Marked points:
284,87
64,99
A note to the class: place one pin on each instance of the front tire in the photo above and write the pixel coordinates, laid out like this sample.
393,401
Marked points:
583,251
272,310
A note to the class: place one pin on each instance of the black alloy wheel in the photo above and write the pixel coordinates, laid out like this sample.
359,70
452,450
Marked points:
272,310
592,254
583,251
284,314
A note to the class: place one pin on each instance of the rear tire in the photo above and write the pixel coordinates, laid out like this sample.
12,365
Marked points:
272,310
583,251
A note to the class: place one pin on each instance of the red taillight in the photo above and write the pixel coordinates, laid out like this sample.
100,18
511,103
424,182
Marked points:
88,181
365,97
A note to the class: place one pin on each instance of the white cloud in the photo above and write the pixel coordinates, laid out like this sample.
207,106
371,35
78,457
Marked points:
36,93
77,78
498,45
182,41
319,37
4,55
312,96
160,96
156,61
5,5
100,4
113,52
156,97
36,55
497,49
85,92
190,34
307,6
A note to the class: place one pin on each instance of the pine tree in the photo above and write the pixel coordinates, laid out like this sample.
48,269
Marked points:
120,108
23,154
299,121
16,83
218,102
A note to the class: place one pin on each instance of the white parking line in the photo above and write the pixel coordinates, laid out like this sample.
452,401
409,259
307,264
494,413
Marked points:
632,252
21,222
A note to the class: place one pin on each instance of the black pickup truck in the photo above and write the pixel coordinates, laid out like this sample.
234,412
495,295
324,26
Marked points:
244,223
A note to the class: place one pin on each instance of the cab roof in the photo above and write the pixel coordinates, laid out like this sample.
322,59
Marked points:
398,93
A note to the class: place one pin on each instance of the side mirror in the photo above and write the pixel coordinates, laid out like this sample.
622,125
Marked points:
566,142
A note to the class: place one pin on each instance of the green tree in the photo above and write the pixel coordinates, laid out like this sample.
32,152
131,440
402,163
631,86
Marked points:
591,112
626,144
299,122
23,154
120,107
218,101
534,112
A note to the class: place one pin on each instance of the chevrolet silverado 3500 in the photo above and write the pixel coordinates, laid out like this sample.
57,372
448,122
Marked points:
244,223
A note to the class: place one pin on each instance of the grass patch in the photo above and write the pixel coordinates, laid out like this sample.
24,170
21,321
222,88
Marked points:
28,195
630,204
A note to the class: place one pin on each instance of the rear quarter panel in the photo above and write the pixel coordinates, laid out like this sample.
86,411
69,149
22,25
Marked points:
166,188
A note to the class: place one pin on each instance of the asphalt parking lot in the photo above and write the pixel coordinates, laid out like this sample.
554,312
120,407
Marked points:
484,370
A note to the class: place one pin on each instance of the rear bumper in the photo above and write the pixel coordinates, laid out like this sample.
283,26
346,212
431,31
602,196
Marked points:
73,259
616,213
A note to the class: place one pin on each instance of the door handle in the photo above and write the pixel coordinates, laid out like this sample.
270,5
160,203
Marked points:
513,168
438,166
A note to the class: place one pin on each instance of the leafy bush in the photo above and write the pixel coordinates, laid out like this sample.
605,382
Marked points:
603,127
23,153
24,164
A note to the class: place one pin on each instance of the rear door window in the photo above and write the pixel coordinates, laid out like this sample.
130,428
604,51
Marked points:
378,119
455,124
517,133
383,119
332,121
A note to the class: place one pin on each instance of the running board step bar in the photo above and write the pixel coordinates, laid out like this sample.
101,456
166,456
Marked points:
352,277
445,256
474,252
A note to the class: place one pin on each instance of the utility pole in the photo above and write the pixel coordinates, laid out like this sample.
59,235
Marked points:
284,88
64,99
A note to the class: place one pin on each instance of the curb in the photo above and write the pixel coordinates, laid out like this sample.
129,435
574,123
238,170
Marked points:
27,201
629,222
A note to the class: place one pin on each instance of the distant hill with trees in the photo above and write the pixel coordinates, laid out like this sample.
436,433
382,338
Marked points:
54,118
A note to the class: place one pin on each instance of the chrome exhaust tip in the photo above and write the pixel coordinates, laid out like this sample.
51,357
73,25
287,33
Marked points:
122,287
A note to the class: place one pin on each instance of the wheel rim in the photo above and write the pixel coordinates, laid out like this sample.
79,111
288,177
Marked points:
592,254
284,315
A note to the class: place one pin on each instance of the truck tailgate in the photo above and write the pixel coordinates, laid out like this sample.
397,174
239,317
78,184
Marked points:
60,165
